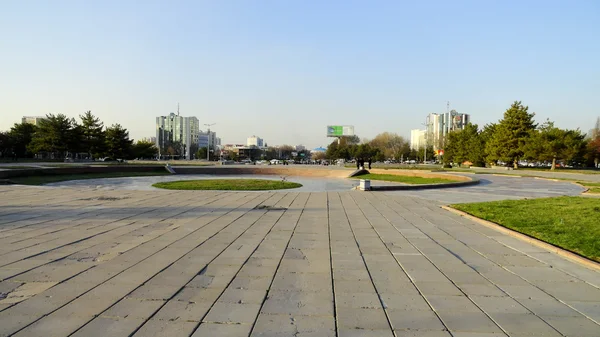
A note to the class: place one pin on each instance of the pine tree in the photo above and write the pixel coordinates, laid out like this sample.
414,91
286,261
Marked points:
93,134
509,141
118,144
53,135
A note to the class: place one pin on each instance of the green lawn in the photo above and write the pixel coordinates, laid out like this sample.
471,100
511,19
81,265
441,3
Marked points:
571,223
404,179
16,167
228,184
46,179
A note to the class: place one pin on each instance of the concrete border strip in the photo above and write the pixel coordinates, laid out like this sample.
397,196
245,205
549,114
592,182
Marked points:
547,246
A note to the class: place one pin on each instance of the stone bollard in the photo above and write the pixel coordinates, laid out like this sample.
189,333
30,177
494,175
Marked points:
365,185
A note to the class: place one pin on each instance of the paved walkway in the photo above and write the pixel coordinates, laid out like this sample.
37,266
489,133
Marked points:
189,263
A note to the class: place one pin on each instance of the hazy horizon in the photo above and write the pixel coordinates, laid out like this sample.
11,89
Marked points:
283,71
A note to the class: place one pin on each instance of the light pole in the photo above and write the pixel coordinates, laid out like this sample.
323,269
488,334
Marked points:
208,146
425,150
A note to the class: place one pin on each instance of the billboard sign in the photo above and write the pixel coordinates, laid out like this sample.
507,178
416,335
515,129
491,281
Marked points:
340,130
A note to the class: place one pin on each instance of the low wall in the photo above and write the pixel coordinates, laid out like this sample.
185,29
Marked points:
77,170
303,171
423,174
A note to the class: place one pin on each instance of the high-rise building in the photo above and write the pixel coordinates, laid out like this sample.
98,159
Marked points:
255,141
149,139
203,140
35,120
417,139
175,128
439,125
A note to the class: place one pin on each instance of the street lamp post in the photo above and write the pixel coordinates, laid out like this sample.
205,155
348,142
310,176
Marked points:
426,133
208,146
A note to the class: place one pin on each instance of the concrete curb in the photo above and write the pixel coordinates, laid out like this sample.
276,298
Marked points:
473,181
547,246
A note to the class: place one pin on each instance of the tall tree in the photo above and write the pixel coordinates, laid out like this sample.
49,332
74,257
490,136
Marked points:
509,141
20,135
389,144
118,144
549,144
53,135
144,150
5,145
92,130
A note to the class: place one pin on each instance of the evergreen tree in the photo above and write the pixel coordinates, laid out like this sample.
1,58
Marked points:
118,144
53,136
20,135
549,144
144,150
92,130
509,140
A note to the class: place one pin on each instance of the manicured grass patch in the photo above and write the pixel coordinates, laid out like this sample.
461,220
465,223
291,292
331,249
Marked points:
404,179
46,179
594,190
567,222
228,184
16,167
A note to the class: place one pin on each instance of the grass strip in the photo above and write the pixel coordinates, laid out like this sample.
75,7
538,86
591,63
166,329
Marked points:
228,184
567,222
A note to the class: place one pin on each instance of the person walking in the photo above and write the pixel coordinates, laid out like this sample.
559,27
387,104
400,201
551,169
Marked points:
357,164
369,163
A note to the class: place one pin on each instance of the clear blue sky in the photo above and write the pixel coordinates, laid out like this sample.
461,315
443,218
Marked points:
283,69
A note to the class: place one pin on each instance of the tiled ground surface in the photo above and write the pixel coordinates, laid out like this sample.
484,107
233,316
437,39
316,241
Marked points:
170,263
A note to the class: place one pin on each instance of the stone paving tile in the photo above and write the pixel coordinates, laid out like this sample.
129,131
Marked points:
105,326
181,263
294,325
223,330
415,320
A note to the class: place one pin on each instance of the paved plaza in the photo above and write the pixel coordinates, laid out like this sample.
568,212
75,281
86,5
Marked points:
105,262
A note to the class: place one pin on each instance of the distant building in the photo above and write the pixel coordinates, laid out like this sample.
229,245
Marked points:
439,125
417,139
204,139
149,139
300,147
175,128
255,141
318,149
35,120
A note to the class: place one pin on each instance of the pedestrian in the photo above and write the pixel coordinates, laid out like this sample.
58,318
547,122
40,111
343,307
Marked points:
369,163
357,164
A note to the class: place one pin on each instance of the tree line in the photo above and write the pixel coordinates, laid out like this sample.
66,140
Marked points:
517,138
385,146
60,137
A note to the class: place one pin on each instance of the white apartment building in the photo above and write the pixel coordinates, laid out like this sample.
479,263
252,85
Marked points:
35,120
417,139
175,128
439,125
255,141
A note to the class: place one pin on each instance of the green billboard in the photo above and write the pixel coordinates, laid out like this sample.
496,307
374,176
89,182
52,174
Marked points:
340,130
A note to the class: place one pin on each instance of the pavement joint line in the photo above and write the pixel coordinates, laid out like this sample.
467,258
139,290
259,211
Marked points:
147,257
84,239
242,198
336,327
278,264
247,259
511,272
383,306
217,255
445,275
400,264
542,290
75,216
526,238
